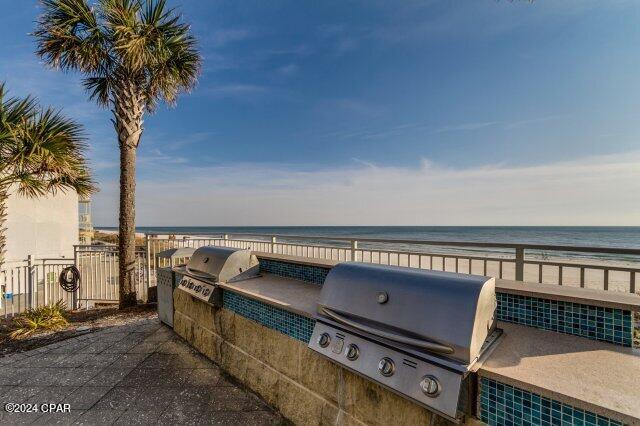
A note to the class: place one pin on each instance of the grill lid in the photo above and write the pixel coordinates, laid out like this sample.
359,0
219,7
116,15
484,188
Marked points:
223,264
440,312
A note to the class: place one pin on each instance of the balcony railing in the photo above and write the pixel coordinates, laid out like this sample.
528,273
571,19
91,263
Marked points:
603,268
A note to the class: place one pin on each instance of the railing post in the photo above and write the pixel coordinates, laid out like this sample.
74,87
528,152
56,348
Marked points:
45,279
148,266
30,286
354,250
225,237
74,296
273,244
519,264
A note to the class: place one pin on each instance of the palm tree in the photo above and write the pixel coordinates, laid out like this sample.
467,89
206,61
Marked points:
132,54
41,152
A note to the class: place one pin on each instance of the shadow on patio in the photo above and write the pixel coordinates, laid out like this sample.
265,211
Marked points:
138,373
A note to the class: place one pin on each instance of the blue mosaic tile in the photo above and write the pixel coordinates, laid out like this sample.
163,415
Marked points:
286,322
309,273
505,405
593,322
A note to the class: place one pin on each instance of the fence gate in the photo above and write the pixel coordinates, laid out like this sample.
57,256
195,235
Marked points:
98,266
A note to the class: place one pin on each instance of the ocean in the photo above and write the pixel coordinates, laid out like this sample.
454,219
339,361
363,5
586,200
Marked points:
595,236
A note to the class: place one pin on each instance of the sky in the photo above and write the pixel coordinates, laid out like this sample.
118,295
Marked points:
477,112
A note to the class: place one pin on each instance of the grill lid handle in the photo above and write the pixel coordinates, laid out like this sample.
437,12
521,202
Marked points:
197,274
424,344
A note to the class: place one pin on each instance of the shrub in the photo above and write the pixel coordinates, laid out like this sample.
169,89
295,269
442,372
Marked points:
49,317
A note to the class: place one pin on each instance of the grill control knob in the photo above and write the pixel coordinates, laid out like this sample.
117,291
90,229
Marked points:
386,367
324,339
430,386
352,352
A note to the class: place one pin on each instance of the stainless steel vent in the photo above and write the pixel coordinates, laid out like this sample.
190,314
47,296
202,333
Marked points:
211,265
418,332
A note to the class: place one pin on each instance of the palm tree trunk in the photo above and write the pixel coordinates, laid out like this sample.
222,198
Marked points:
128,110
127,226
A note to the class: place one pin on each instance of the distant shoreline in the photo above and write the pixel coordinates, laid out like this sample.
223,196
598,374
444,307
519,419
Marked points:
626,237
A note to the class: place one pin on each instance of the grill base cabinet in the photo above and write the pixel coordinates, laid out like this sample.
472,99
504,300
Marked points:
166,284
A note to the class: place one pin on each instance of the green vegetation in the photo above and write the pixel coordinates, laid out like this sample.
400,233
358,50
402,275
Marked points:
132,54
41,152
49,317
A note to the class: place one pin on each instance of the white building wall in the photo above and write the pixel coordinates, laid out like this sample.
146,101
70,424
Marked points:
45,227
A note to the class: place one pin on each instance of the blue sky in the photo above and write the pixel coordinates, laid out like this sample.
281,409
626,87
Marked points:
371,112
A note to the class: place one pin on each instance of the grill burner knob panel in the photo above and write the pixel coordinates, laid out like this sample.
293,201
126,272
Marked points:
352,352
386,367
430,386
397,370
324,340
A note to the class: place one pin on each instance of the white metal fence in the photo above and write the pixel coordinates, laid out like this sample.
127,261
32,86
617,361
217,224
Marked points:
561,265
98,266
31,283
34,282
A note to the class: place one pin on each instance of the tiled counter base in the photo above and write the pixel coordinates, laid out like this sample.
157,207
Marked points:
302,385
502,404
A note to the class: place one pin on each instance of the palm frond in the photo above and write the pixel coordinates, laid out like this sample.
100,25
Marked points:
13,109
132,52
69,36
41,151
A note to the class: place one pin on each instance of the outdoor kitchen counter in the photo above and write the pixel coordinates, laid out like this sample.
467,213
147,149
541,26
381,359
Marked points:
596,376
286,293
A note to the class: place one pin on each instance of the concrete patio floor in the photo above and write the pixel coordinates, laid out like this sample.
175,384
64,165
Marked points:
140,373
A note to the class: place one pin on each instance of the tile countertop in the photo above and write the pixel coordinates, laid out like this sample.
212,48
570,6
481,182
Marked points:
595,376
607,299
286,293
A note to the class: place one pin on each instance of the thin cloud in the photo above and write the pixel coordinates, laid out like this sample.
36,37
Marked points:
222,37
580,192
158,157
466,126
538,120
288,69
236,90
352,105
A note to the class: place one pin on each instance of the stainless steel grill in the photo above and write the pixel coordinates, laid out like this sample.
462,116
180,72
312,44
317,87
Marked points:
211,265
420,333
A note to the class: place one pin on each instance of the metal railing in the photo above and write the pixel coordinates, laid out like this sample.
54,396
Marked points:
549,264
34,282
98,265
31,283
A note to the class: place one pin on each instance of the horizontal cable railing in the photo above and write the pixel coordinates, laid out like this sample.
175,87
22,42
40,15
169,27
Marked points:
520,262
